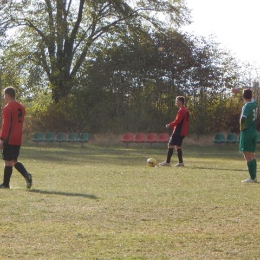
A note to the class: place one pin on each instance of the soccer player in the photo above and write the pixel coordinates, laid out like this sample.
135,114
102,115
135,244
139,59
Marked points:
11,138
180,128
248,134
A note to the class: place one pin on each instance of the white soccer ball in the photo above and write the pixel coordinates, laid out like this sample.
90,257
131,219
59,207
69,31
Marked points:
151,162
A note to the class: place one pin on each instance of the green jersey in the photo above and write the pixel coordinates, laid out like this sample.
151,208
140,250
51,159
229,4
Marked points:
248,117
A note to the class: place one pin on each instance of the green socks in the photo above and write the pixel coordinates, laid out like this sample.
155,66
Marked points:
252,166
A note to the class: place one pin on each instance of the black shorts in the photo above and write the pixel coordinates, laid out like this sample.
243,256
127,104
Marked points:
176,140
11,152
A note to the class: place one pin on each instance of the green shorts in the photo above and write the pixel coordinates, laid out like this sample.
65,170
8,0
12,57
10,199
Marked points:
248,141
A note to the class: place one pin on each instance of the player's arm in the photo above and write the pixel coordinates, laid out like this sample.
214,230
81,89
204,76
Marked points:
180,115
243,123
6,124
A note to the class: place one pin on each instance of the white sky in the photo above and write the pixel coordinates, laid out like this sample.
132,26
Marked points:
234,23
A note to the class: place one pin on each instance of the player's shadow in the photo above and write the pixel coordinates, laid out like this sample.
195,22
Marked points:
214,168
88,196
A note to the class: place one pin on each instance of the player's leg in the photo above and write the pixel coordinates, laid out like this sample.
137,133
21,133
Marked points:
179,155
8,168
249,147
254,144
255,168
10,155
27,176
169,153
179,151
175,141
251,165
20,167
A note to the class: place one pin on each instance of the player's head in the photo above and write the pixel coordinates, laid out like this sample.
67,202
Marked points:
10,91
9,94
247,94
180,101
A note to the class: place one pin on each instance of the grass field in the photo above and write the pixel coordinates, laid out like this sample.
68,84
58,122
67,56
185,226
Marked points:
104,203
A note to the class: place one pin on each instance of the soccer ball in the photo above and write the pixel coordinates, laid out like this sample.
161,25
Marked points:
151,162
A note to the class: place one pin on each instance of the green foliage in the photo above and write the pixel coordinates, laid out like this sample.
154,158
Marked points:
48,116
132,86
59,35
116,66
35,111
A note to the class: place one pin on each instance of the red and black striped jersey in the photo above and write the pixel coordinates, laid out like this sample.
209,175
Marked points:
12,123
180,124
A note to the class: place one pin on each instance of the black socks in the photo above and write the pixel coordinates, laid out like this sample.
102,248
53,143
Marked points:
20,168
8,170
179,153
169,155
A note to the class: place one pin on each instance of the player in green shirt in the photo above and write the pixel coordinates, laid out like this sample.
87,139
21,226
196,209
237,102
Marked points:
248,134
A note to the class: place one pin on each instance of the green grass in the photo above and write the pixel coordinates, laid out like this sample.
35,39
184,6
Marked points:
105,203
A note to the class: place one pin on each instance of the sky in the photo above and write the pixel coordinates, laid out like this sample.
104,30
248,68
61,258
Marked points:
235,24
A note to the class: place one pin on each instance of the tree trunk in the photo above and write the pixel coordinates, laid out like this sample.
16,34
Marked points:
61,88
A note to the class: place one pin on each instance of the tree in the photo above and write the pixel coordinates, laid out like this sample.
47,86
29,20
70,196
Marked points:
129,84
59,35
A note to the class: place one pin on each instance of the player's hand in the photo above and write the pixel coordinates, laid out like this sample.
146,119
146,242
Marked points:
167,126
1,144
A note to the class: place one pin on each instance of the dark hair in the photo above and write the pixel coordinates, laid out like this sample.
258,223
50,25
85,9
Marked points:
247,93
181,98
10,91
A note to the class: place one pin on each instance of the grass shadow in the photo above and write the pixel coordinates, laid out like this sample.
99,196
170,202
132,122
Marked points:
214,168
89,196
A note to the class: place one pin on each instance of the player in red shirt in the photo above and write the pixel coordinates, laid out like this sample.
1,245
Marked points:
180,129
11,138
